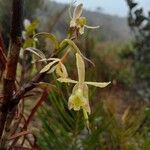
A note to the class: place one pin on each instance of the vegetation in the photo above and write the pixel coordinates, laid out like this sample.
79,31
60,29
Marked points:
49,95
140,25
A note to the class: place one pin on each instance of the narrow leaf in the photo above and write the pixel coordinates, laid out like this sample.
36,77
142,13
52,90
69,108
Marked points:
36,52
49,36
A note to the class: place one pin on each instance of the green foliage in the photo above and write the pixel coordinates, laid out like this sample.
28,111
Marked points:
140,25
60,125
127,51
63,128
112,63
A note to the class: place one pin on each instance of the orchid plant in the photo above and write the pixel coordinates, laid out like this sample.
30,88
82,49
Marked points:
79,99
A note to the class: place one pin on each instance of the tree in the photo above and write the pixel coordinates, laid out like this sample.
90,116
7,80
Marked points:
140,25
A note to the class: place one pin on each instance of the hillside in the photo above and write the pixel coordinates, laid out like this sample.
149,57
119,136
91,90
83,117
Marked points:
112,27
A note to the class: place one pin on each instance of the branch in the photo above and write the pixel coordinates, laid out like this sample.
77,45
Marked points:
18,135
2,45
31,84
34,110
12,60
3,59
25,88
15,40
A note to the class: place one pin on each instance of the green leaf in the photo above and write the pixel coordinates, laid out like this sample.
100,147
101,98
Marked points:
49,87
49,36
35,51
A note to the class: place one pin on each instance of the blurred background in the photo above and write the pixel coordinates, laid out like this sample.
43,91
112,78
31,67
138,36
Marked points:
120,50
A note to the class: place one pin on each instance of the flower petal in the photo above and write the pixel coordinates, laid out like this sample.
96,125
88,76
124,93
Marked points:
49,59
61,70
98,84
85,91
75,88
86,95
48,66
70,13
70,103
78,11
91,27
72,23
80,67
52,69
66,80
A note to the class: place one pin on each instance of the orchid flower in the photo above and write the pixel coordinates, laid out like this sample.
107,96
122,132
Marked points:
55,65
78,21
79,98
26,24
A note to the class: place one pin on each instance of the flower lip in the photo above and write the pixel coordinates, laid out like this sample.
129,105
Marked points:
79,98
77,101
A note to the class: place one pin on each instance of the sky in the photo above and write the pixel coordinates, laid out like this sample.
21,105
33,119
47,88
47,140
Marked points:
113,7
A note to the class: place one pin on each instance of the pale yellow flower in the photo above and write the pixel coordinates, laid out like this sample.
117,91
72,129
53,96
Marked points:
26,23
79,98
78,21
